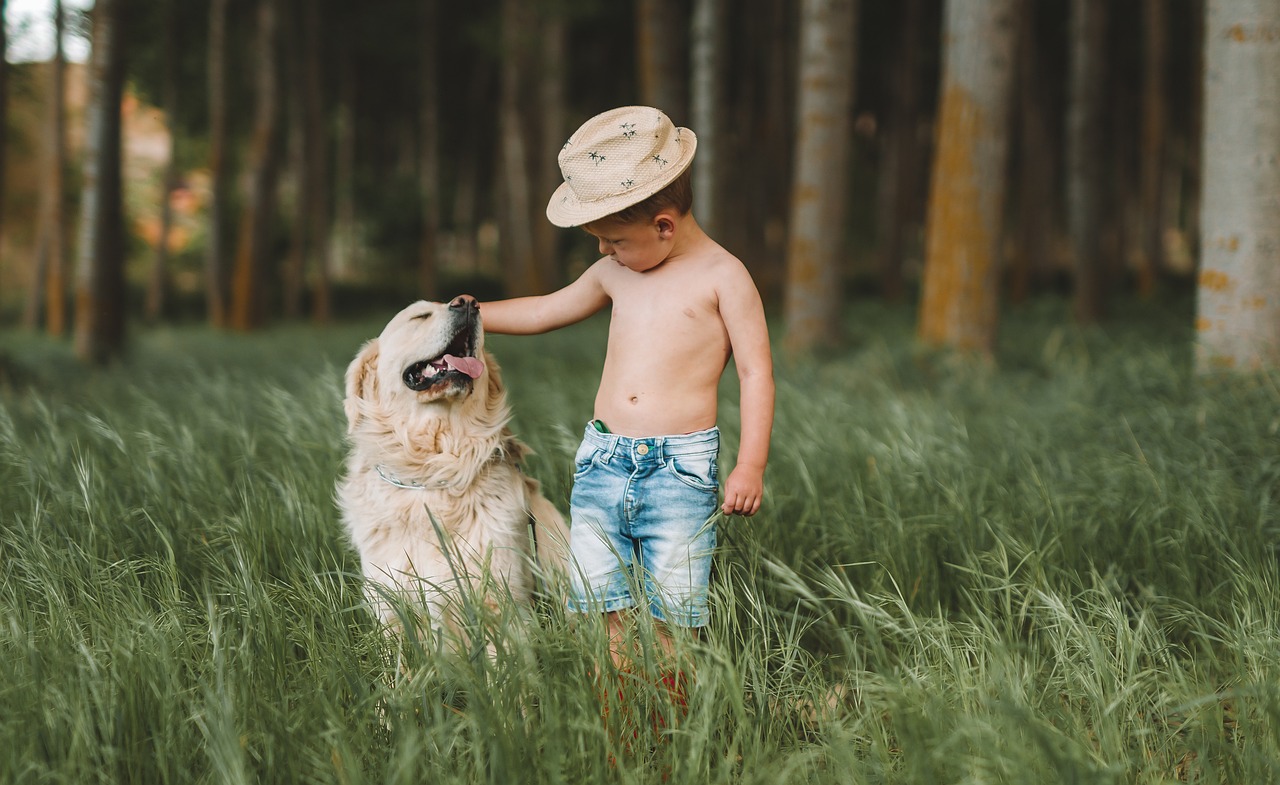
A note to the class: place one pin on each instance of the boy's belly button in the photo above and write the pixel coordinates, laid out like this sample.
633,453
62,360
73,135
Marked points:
634,399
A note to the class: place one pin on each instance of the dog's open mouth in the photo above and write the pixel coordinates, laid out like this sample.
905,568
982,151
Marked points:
458,358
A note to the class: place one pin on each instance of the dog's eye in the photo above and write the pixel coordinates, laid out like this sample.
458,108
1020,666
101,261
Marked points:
426,315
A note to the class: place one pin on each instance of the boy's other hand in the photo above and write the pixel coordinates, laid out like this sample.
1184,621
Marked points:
743,491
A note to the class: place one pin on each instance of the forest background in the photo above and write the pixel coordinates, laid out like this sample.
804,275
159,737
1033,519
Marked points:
292,158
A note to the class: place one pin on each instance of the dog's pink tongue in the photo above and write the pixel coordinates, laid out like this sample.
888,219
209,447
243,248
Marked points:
469,365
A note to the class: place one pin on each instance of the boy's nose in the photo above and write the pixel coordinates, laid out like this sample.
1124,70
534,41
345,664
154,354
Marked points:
606,248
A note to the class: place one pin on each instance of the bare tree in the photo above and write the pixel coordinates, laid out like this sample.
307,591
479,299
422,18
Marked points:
316,138
1152,151
960,306
1036,168
553,111
821,178
900,168
100,323
520,270
1238,306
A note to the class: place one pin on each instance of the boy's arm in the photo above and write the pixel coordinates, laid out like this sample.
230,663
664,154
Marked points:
743,315
543,313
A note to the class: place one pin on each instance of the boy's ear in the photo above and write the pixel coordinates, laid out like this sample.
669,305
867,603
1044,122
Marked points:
665,224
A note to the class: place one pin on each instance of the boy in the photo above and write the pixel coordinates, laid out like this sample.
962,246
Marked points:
645,482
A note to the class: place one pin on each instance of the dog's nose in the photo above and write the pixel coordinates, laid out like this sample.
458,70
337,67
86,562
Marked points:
464,302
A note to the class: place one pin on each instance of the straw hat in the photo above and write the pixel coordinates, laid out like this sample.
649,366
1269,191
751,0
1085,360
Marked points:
617,159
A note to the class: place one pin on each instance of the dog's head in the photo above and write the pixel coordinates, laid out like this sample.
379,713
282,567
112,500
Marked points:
430,357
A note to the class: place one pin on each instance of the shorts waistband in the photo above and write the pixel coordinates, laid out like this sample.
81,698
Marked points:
654,447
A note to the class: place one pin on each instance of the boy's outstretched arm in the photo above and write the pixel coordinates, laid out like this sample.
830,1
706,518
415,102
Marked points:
546,312
743,315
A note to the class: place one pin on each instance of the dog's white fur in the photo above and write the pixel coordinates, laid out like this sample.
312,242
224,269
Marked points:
468,507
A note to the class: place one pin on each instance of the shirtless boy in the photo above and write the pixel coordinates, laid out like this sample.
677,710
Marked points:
645,484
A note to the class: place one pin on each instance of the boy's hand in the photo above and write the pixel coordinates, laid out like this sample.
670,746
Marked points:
743,491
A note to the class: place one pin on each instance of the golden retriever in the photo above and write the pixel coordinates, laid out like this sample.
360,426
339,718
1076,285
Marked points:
433,497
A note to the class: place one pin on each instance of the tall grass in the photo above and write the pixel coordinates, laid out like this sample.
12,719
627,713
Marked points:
1063,568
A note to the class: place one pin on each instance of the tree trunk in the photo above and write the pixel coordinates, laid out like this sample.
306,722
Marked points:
816,248
1086,92
706,90
552,106
293,278
659,44
960,306
520,272
158,281
1152,159
1238,305
50,263
217,278
99,333
429,153
254,243
1036,185
4,109
900,163
344,240
317,142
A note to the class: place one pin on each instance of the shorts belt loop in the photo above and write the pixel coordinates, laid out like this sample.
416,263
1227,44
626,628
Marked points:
659,445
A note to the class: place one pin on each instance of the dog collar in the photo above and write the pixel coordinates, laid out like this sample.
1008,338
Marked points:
396,481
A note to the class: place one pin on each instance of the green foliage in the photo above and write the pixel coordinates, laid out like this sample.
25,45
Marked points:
1060,570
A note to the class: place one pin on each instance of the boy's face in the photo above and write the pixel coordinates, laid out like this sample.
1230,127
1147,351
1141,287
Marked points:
638,246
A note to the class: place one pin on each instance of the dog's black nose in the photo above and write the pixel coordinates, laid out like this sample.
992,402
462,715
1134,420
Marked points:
464,302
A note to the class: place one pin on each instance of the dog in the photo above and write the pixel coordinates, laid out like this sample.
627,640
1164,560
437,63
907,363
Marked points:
433,497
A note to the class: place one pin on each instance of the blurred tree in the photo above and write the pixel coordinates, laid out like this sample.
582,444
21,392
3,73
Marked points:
429,151
817,244
960,305
553,111
100,289
520,273
158,280
1151,198
4,108
660,42
706,92
1086,91
217,267
900,163
49,263
317,144
1036,181
1238,307
253,247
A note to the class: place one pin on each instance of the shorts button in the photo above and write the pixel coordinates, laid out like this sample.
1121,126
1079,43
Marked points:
642,449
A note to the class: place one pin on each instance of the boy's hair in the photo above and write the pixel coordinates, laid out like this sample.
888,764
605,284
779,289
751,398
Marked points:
678,196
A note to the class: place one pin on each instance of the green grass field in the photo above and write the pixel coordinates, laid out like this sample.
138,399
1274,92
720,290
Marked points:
1062,569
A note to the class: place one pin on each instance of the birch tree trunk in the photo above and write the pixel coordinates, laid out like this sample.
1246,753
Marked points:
960,303
100,324
1238,304
253,243
1085,96
816,247
707,39
217,278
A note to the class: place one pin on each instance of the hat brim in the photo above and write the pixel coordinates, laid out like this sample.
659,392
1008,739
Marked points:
566,210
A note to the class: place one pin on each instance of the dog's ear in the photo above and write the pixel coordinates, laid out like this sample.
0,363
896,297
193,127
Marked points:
362,381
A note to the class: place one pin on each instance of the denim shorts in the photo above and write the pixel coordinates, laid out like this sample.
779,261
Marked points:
641,512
